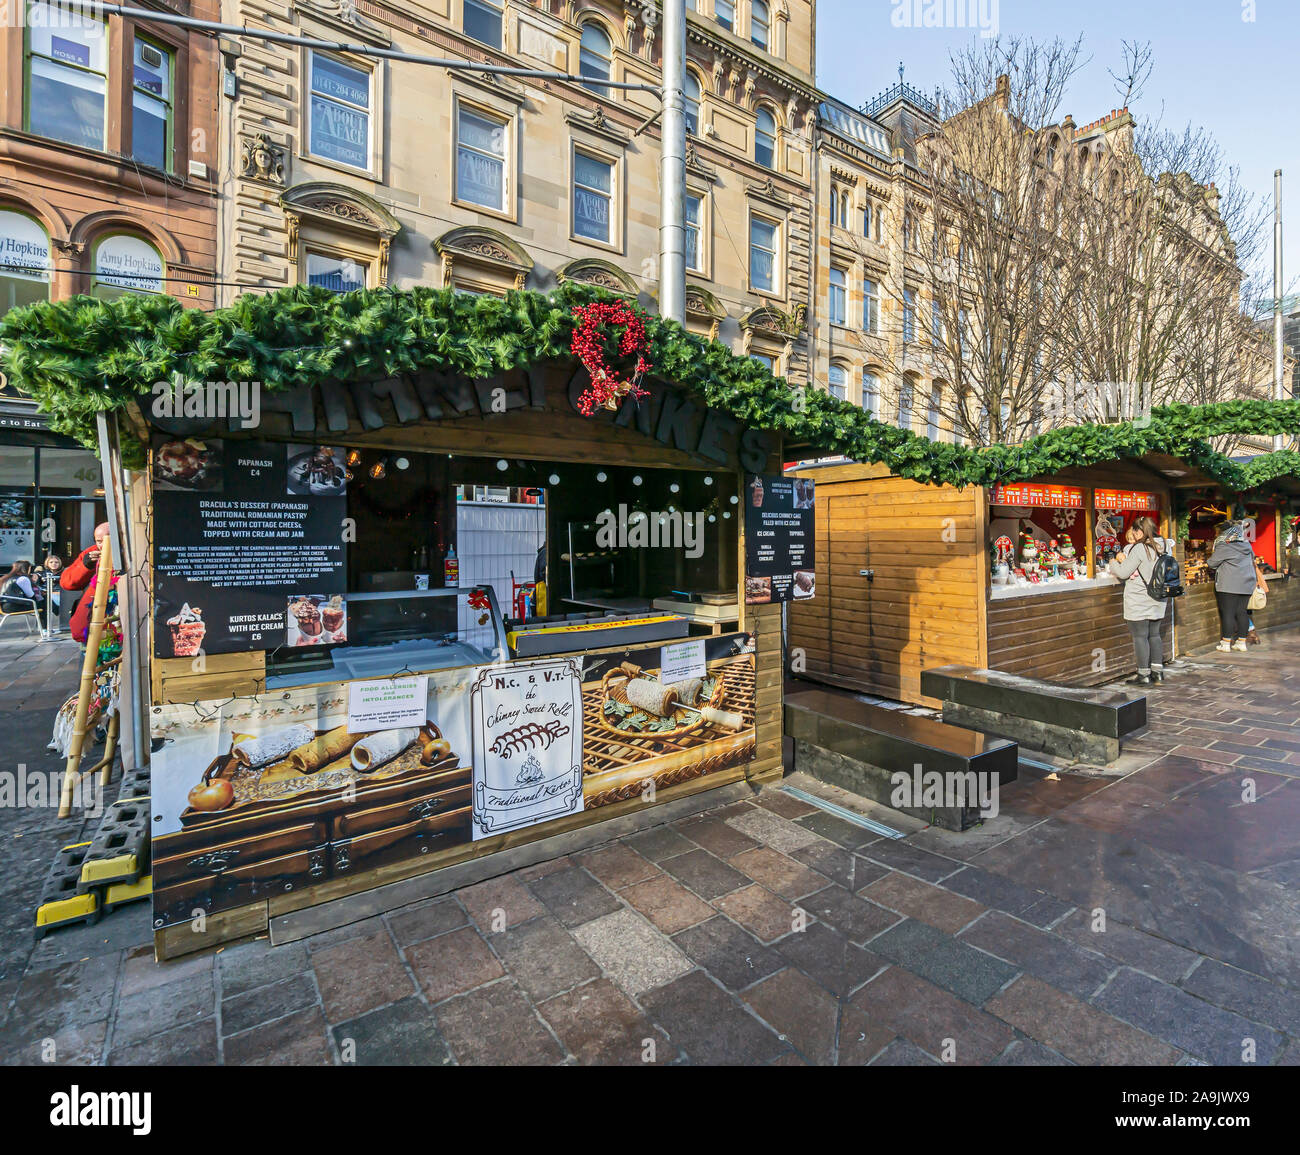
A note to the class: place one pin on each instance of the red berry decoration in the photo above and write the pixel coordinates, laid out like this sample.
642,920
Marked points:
591,342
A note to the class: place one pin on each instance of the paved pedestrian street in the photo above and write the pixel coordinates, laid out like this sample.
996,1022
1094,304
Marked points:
1145,915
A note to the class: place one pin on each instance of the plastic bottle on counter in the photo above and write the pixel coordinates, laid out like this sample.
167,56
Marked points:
451,568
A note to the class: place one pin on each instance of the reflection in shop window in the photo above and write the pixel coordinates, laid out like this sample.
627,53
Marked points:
66,75
337,274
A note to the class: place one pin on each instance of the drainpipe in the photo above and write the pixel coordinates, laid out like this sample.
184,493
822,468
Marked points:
672,167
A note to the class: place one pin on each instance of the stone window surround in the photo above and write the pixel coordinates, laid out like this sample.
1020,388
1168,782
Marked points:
376,116
506,112
602,152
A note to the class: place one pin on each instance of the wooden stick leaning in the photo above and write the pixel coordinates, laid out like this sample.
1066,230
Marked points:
103,579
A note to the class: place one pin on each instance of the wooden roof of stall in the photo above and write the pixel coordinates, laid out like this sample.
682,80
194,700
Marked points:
84,355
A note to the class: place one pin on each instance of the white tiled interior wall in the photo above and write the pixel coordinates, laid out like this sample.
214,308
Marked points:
492,539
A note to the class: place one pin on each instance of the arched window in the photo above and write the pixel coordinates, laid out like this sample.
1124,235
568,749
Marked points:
837,381
126,264
691,93
24,261
871,393
765,138
759,24
595,56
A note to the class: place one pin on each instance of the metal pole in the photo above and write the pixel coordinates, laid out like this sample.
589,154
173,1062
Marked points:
672,167
1278,440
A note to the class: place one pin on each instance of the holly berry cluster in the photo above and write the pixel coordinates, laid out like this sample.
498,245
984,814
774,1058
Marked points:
589,344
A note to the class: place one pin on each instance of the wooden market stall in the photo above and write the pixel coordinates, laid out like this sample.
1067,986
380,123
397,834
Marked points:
909,577
423,584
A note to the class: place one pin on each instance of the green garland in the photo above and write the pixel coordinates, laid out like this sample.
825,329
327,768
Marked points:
84,355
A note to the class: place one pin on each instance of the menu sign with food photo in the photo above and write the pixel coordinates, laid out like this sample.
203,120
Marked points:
780,547
527,724
248,546
263,796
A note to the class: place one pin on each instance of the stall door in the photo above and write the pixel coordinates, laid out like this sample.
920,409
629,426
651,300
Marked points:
851,654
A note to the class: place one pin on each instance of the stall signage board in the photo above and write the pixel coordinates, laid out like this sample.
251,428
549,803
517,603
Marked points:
386,704
1034,495
249,550
526,724
780,545
1126,500
682,660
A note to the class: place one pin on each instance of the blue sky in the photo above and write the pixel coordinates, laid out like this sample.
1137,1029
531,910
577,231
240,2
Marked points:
1238,78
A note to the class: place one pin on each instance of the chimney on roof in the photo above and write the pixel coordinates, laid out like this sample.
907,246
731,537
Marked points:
1003,91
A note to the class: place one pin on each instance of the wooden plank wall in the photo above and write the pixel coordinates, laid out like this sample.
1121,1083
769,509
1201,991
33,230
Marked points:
924,607
1075,636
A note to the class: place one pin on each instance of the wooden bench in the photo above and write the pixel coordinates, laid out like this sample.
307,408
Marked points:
1073,721
865,749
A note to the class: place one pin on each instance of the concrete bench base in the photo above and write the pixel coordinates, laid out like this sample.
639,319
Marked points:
1060,741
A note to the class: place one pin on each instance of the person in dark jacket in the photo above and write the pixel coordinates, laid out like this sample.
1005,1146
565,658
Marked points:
1233,565
80,575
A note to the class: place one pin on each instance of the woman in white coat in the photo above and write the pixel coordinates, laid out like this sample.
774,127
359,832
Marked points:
1144,614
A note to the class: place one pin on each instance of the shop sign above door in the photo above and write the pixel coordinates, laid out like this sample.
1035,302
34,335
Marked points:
1035,495
667,416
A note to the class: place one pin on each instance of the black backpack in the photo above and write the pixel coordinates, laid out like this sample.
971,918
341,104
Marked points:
1166,578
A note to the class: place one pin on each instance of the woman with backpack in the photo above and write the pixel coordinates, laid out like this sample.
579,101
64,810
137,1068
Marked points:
1145,614
1235,579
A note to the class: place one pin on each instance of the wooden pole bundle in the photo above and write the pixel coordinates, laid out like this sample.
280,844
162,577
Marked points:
103,580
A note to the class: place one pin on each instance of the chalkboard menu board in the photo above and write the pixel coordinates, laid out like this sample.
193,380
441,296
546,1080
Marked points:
249,546
780,547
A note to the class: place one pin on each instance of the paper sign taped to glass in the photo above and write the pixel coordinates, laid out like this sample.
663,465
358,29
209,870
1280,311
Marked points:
526,721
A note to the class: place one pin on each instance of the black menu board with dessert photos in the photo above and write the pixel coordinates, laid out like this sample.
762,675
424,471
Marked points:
780,545
250,546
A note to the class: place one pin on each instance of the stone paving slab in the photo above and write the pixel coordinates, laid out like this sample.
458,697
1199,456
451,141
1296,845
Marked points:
1145,916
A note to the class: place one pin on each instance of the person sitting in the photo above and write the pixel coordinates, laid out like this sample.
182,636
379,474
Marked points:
80,575
17,590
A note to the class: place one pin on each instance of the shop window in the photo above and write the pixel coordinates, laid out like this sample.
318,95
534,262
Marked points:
759,24
839,296
151,105
763,239
871,393
67,59
765,139
595,56
481,151
694,237
337,274
724,12
483,22
837,382
339,111
593,198
124,264
24,261
691,95
870,306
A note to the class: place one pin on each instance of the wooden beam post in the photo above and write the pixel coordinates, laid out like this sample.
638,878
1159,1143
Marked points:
103,579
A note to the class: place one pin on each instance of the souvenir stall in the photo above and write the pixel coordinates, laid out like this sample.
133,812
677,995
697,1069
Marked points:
1012,576
401,620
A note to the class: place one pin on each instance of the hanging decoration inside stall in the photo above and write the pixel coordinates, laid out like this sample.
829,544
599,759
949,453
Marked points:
592,338
249,546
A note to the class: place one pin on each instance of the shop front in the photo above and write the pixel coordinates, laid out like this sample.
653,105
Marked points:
1012,576
411,622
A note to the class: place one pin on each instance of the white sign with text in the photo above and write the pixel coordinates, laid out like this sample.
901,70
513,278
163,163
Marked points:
387,704
682,660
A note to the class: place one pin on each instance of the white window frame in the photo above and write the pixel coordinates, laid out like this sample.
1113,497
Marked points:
370,111
773,136
838,297
506,122
495,6
842,384
774,290
765,24
871,397
909,316
584,53
615,241
906,413
870,306
699,256
730,23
